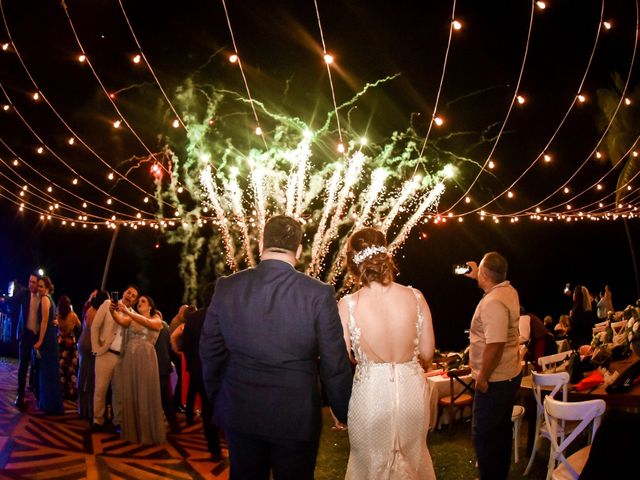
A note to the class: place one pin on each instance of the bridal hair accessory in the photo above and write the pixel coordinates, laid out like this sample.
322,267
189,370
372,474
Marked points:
362,255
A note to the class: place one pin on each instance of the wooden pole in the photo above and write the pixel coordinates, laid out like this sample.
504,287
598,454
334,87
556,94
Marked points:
109,255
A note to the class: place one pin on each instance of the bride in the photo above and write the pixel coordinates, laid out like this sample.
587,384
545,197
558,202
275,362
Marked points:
387,326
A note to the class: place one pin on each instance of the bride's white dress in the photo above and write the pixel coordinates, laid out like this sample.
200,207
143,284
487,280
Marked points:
388,415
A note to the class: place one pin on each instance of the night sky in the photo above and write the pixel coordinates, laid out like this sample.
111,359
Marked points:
279,43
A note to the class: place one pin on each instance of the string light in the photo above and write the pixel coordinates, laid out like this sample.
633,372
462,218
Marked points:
541,5
520,99
233,58
5,46
607,25
82,58
117,124
5,107
176,123
328,59
456,25
71,141
439,121
627,101
136,58
582,98
547,157
491,164
36,96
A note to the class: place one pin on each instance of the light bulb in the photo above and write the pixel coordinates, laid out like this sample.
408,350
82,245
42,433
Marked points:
136,58
328,59
233,58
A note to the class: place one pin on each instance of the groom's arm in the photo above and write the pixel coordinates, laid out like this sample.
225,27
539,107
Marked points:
335,368
213,349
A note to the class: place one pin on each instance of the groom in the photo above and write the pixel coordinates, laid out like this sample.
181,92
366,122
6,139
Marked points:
270,337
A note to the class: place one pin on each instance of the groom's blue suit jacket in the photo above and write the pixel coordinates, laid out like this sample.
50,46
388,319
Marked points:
270,336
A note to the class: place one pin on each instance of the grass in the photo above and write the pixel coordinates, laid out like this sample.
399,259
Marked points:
451,451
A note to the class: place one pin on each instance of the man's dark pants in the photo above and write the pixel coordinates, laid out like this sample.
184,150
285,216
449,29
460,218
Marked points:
492,429
253,456
24,356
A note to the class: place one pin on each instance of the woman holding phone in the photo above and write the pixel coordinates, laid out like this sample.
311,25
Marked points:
142,415
48,387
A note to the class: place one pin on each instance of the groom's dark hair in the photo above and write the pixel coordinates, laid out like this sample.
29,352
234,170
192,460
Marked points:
282,233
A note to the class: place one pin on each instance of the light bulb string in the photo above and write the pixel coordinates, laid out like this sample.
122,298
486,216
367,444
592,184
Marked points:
560,125
507,116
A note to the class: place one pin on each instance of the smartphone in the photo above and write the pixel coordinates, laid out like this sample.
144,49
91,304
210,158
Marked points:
114,297
461,269
567,289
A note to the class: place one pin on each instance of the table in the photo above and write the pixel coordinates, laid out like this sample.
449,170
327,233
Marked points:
438,388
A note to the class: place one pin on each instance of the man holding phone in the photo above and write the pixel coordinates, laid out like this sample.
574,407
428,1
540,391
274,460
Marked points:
106,344
495,365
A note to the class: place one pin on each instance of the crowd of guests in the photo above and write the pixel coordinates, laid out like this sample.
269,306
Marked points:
115,358
271,339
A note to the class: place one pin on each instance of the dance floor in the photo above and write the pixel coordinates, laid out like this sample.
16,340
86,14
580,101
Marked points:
33,446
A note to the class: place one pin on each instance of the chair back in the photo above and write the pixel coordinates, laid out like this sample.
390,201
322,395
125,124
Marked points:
618,327
556,412
553,362
599,328
455,375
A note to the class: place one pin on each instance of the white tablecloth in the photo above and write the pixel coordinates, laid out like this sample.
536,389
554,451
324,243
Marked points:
439,387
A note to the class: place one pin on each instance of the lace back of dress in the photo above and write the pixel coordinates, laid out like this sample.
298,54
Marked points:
354,332
419,324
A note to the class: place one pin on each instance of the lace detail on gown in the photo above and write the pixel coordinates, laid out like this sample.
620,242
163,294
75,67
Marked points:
388,414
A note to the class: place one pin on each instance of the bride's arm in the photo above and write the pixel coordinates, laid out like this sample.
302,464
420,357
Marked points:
427,343
343,310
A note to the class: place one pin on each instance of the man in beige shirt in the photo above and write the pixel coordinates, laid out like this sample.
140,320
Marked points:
495,365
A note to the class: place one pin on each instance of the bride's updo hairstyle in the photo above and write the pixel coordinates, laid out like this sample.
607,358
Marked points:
367,258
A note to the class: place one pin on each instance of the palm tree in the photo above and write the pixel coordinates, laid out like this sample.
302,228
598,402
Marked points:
620,139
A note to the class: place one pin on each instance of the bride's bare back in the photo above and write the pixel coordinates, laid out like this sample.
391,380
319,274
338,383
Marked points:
387,318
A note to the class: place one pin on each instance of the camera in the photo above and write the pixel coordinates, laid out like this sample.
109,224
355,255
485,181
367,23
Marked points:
114,297
567,289
461,269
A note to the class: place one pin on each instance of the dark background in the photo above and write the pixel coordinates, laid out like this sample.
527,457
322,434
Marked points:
280,47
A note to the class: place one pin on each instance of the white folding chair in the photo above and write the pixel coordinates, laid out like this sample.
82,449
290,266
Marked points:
553,362
618,327
557,381
516,418
556,413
